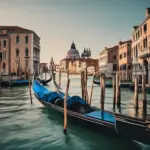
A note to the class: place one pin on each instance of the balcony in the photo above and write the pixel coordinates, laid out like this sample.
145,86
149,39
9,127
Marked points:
35,58
36,47
144,53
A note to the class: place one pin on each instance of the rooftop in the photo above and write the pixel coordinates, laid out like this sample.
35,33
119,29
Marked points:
17,29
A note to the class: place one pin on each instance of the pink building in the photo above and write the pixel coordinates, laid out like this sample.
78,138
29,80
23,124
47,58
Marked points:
108,61
19,49
141,48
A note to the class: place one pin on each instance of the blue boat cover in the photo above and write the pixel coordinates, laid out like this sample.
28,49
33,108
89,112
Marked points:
102,115
49,96
43,93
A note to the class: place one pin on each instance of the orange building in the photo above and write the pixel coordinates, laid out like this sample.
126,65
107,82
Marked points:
19,48
125,59
141,48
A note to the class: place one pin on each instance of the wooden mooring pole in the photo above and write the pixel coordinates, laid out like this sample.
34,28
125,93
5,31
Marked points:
82,84
85,86
65,105
114,90
60,77
91,90
136,96
29,85
118,90
144,93
102,85
67,73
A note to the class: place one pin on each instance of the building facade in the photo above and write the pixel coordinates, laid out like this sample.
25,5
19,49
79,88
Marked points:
19,50
141,48
125,59
108,61
76,63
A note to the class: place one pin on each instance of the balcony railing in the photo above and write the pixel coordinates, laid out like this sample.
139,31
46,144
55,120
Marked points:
36,58
37,46
144,52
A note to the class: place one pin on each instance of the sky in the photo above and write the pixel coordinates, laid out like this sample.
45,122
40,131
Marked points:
93,24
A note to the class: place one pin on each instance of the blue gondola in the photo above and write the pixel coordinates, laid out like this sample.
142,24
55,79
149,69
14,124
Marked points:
80,112
77,108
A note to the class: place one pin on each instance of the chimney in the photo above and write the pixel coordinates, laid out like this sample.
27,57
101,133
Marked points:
134,28
147,11
120,42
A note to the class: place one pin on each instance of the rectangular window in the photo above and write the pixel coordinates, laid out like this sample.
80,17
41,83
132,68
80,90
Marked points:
26,52
1,56
4,43
26,39
17,52
145,27
125,55
17,39
129,67
120,56
145,43
114,57
4,55
114,67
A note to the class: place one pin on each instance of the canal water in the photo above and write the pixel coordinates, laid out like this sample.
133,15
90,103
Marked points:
33,127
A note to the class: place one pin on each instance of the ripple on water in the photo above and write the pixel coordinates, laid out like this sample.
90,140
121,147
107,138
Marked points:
33,127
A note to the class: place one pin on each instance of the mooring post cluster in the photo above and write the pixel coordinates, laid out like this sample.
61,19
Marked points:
136,93
84,86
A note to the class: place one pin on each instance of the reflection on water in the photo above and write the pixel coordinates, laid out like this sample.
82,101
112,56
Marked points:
25,126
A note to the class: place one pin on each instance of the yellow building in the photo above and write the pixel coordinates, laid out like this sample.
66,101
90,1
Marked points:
125,59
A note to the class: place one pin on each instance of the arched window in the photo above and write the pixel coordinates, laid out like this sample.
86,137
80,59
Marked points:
26,52
0,56
26,39
4,43
17,52
17,39
4,65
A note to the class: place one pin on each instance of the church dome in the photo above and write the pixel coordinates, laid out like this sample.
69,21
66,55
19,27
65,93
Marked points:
73,53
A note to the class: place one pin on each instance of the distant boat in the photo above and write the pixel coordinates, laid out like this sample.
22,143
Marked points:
107,84
15,83
44,82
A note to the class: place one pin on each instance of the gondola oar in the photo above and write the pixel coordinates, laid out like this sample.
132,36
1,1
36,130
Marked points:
65,105
91,90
